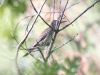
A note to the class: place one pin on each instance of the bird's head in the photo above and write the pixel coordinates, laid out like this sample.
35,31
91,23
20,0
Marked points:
55,25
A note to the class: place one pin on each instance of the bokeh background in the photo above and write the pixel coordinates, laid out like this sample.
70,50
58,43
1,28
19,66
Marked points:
81,56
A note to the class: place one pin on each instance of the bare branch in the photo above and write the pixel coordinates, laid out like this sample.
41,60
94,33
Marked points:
37,12
53,9
41,54
80,15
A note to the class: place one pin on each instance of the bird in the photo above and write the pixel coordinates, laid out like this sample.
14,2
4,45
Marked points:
45,37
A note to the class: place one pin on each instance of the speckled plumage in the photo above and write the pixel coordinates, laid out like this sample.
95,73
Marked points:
45,37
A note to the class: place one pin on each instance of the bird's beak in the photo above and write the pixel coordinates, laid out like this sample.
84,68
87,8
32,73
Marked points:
63,21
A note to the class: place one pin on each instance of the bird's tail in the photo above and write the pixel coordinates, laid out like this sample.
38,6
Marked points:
27,54
29,51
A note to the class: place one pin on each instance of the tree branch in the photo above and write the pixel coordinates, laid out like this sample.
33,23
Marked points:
80,15
55,33
37,12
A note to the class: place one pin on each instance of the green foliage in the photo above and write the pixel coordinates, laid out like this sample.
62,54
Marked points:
9,12
17,6
72,66
55,67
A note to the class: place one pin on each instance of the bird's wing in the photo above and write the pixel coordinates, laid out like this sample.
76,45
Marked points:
42,36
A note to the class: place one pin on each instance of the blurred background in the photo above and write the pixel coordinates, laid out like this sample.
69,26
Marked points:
81,56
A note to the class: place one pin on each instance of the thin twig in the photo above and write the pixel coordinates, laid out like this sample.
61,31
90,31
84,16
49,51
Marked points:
60,5
13,34
67,19
16,41
21,20
18,47
80,15
74,4
24,48
64,44
61,14
53,9
41,53
28,23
